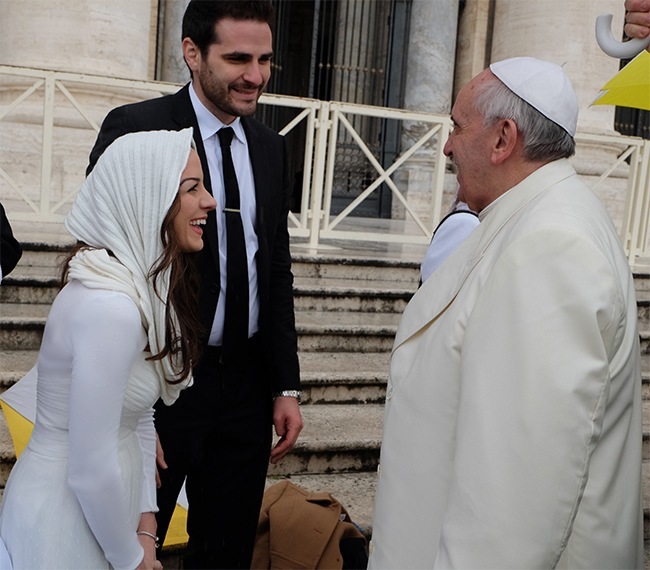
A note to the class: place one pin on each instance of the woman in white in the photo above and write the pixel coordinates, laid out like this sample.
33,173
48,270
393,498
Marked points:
120,335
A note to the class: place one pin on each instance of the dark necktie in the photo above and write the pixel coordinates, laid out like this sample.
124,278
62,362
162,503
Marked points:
235,329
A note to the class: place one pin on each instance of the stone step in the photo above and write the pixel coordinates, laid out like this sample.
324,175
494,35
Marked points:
40,284
327,378
310,294
351,267
14,364
329,331
28,289
335,439
344,377
644,338
45,257
642,280
318,294
21,328
21,325
643,309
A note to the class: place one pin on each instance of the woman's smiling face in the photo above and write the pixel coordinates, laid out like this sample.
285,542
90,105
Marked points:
195,203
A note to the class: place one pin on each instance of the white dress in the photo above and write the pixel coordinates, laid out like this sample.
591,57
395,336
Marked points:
75,495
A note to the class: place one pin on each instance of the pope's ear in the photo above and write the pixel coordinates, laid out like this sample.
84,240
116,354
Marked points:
191,54
507,136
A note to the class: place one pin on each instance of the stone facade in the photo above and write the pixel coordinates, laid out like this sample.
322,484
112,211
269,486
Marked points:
140,39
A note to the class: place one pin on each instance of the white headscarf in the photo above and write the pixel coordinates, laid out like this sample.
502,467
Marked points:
120,208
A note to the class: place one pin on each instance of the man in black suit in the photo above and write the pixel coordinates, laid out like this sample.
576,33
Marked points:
218,433
10,250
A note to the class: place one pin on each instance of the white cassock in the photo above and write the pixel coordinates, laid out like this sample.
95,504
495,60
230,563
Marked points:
512,435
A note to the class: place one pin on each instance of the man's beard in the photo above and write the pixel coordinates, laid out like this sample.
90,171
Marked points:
220,97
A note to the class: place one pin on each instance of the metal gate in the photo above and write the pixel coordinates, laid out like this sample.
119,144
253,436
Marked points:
354,51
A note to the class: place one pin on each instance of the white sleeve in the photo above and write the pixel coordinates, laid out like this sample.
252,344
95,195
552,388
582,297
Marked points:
448,236
147,436
105,341
535,379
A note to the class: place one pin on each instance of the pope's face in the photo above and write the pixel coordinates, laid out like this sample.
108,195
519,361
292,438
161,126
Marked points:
468,146
232,75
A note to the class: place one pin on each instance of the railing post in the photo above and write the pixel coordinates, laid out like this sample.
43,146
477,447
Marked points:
439,181
643,190
48,136
320,156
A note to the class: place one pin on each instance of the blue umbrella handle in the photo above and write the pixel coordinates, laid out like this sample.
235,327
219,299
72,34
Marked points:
614,48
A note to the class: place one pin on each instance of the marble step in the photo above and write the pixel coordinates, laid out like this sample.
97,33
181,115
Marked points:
328,331
330,294
314,294
335,439
21,328
327,378
344,377
14,364
362,267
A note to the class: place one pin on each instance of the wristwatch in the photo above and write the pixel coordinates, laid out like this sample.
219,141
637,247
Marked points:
288,393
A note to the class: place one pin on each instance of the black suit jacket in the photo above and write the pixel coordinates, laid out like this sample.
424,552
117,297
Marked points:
272,191
10,250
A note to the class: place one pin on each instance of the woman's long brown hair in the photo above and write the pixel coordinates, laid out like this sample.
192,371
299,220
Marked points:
183,298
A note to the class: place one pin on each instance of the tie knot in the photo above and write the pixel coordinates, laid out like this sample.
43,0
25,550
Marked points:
225,136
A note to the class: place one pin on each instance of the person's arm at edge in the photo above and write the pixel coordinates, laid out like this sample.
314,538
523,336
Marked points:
637,19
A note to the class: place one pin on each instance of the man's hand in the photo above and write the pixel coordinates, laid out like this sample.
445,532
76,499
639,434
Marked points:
288,425
637,19
160,460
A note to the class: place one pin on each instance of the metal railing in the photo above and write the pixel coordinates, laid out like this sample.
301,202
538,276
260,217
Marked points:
324,126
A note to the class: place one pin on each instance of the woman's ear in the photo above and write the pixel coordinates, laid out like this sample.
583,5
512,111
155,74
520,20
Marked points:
507,136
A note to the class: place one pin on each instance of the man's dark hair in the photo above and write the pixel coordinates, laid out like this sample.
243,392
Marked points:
202,15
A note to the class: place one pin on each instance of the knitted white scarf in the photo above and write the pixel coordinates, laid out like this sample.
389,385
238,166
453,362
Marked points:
120,208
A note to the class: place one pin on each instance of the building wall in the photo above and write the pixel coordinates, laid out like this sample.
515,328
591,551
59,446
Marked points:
450,41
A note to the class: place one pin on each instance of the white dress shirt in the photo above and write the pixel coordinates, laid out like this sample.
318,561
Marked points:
209,125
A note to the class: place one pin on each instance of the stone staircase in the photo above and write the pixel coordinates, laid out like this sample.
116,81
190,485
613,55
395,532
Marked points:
348,307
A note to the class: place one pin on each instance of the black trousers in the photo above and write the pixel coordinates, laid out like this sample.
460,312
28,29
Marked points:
218,435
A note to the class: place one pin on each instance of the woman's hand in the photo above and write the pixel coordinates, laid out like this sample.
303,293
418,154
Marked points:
149,562
146,537
160,461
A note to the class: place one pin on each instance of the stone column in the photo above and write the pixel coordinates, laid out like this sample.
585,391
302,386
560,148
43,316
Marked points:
172,65
563,32
429,88
474,35
113,38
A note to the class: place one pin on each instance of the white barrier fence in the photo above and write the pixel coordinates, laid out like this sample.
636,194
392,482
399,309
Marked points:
72,106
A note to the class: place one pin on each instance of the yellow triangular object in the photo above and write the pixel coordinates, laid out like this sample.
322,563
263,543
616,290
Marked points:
177,533
20,427
630,87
